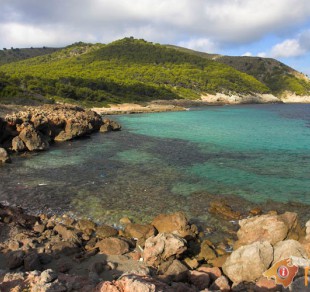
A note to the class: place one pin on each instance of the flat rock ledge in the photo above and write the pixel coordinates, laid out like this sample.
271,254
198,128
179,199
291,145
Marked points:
41,253
36,128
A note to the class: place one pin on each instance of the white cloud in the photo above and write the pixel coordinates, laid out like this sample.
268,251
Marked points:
247,54
17,35
288,48
294,47
199,44
224,22
262,54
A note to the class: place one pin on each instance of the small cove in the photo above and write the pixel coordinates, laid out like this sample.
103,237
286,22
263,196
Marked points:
164,162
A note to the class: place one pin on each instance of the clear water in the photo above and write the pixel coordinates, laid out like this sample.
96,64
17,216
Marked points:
163,162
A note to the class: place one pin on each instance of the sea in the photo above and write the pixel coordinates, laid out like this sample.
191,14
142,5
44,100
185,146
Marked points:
243,155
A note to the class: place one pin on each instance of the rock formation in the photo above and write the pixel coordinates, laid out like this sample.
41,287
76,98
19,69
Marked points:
35,128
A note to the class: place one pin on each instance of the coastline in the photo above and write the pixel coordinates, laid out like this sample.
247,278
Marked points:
217,99
170,253
63,240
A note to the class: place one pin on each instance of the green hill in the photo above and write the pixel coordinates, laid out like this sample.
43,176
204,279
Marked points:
16,54
124,71
277,76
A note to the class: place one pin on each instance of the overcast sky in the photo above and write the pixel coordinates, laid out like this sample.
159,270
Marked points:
271,28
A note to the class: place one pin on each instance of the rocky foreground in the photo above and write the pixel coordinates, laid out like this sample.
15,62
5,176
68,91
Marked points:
36,128
169,254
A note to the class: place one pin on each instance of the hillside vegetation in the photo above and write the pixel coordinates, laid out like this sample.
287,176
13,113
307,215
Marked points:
278,77
16,54
124,71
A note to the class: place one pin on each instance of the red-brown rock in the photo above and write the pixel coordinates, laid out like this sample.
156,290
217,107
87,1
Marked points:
175,223
113,246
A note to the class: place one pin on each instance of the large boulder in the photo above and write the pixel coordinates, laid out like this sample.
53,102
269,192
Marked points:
4,156
248,262
162,247
175,223
287,248
270,227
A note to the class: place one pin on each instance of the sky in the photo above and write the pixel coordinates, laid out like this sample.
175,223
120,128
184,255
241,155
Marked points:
269,28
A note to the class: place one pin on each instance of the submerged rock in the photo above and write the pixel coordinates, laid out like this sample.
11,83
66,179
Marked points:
223,210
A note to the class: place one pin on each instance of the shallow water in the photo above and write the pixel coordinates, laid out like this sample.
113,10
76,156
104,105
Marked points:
164,162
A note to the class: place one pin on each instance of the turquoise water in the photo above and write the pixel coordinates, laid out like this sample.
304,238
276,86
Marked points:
164,162
257,152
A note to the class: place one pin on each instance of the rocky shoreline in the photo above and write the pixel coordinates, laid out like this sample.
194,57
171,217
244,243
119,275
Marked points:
42,253
217,99
36,128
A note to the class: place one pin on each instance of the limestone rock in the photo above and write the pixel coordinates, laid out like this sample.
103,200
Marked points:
161,247
38,126
112,246
270,227
48,276
248,262
4,156
32,139
18,144
287,248
176,223
105,128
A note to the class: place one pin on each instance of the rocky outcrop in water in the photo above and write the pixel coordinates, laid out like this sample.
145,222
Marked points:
35,128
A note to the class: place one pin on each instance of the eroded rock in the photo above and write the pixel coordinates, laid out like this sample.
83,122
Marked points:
248,262
270,227
161,247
